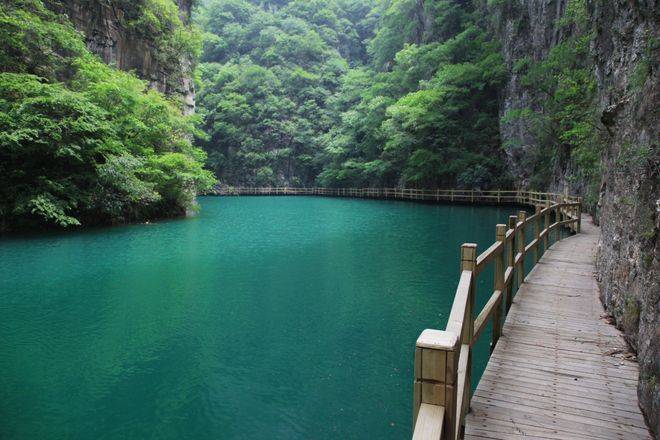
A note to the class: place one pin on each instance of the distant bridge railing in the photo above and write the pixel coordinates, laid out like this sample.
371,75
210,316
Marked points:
442,384
449,195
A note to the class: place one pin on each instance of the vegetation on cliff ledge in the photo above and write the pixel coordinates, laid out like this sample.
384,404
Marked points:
568,128
81,142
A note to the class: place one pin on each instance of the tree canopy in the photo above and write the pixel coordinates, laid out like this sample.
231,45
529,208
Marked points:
345,93
269,74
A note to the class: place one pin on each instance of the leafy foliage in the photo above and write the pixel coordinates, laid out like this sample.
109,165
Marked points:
81,142
430,118
268,78
291,92
395,92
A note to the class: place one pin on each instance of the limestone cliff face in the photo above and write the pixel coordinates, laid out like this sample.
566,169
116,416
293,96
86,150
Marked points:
625,63
104,24
527,29
626,49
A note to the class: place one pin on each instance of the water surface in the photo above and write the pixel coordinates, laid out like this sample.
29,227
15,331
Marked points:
261,318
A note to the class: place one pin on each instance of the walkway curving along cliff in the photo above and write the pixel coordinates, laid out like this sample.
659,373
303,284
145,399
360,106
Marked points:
493,197
559,370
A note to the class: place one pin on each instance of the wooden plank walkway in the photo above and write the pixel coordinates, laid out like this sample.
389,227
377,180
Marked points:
558,370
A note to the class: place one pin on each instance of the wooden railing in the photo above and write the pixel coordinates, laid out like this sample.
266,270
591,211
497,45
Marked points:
430,195
443,358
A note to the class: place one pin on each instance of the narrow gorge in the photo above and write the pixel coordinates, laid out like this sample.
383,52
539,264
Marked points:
124,112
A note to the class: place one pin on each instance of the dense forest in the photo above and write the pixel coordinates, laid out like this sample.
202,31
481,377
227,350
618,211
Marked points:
333,93
388,93
346,93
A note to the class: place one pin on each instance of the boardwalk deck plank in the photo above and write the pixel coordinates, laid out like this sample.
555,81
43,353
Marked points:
558,370
570,400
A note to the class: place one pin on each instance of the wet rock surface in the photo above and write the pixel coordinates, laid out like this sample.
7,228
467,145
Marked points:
526,29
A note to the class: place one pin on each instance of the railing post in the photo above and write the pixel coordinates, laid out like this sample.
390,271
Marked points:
469,262
571,212
546,237
436,374
513,220
500,236
537,229
522,216
566,211
578,225
558,220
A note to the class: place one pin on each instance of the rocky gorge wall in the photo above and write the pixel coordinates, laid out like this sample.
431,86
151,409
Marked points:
624,57
107,28
527,29
626,49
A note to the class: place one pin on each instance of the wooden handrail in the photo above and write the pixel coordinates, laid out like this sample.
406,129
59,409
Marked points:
485,314
463,388
461,298
443,370
454,195
487,256
429,422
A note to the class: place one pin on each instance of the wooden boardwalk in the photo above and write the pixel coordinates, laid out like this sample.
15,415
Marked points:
559,370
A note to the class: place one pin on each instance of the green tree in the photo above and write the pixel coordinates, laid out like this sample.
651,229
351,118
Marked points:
267,81
429,115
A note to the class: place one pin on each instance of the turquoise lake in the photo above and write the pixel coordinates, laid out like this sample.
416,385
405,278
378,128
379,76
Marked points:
260,318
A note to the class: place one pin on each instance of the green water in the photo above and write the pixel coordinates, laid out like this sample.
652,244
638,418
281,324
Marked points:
262,318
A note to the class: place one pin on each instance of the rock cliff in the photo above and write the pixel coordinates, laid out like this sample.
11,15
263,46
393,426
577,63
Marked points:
626,46
624,60
113,31
527,30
